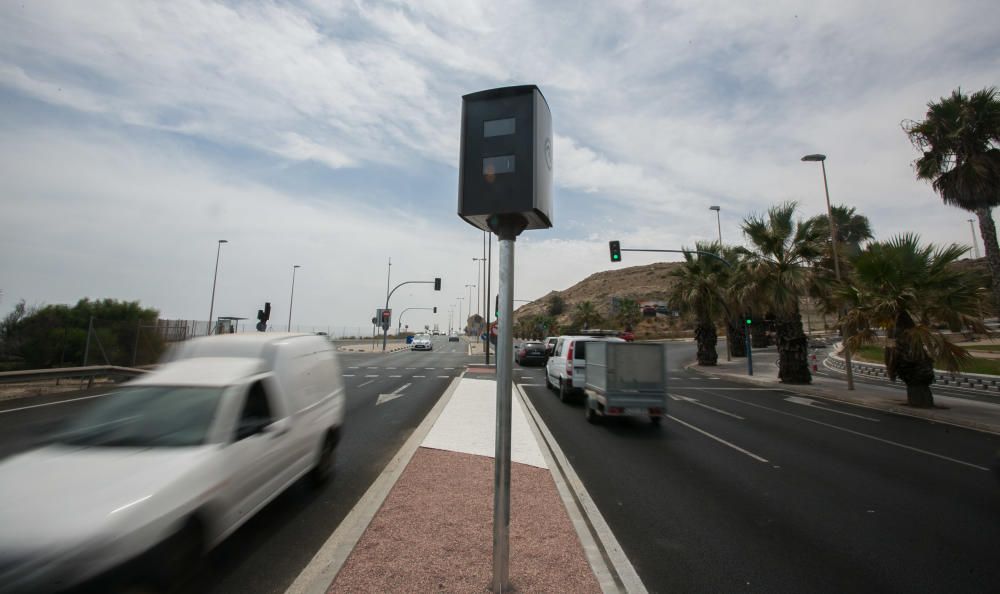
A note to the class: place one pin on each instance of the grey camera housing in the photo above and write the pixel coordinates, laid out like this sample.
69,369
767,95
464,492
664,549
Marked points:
505,165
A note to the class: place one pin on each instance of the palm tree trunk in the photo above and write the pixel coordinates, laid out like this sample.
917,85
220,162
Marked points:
913,365
737,338
988,231
793,351
706,338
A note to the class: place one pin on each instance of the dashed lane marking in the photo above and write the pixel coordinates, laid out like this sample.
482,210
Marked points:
420,376
365,384
371,376
395,376
348,375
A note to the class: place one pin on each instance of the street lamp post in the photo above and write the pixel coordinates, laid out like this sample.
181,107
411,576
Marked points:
291,299
459,299
975,246
480,285
718,220
836,259
215,278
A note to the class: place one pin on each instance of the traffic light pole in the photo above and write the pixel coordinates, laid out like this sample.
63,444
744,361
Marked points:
399,320
385,329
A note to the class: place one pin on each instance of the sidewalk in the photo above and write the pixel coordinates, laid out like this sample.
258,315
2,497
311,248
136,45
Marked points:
430,528
973,414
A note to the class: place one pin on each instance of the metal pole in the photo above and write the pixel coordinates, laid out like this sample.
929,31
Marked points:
501,469
749,352
975,246
135,347
836,270
388,275
489,291
215,278
86,349
292,298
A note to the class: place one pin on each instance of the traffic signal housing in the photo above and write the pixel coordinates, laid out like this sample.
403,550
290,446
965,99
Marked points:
435,310
616,250
437,284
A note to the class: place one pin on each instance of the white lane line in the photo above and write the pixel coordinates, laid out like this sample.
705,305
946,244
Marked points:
822,406
410,368
395,376
348,375
703,405
373,368
420,376
860,434
371,376
9,410
444,376
354,367
718,439
430,368
449,368
390,368
531,385
365,384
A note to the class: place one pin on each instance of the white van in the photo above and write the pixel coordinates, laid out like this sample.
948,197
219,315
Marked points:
167,466
566,369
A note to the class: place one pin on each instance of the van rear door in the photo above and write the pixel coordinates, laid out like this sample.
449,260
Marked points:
580,363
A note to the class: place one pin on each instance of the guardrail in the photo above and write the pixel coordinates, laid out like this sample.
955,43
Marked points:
978,381
88,373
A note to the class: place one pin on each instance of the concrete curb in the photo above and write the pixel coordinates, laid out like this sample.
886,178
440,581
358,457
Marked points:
608,561
320,572
817,392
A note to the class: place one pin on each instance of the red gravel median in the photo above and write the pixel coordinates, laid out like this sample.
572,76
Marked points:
434,532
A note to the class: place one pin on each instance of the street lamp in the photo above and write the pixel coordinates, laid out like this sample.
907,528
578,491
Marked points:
718,221
481,286
836,259
468,292
215,277
975,246
459,299
292,298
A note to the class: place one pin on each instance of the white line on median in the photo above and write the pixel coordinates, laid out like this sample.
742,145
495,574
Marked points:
365,384
820,406
718,439
52,403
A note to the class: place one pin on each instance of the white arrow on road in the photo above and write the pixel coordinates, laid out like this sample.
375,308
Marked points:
391,395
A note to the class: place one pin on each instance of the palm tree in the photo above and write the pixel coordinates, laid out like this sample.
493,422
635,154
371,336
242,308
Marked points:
779,271
960,145
905,289
628,313
585,315
852,230
700,286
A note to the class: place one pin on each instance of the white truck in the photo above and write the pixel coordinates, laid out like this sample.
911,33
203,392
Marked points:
626,379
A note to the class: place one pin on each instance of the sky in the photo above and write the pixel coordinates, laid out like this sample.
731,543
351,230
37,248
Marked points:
136,134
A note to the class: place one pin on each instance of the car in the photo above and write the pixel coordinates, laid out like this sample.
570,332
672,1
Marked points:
422,342
550,345
158,472
627,336
453,338
530,352
566,370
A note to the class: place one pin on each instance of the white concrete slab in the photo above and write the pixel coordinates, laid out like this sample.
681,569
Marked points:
468,425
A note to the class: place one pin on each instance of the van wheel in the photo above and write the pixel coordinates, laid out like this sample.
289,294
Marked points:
323,470
563,392
592,417
548,384
656,420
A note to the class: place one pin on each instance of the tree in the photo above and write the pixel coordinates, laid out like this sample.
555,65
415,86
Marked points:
779,271
585,315
700,290
557,305
906,289
853,229
628,313
960,144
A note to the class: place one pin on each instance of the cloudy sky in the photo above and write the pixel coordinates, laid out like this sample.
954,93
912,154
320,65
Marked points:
135,134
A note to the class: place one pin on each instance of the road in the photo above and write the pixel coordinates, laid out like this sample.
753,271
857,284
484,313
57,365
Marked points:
753,489
269,551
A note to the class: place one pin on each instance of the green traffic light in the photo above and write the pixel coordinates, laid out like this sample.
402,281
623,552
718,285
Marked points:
749,321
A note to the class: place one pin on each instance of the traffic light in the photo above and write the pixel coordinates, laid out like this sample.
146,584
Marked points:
749,321
435,310
616,251
437,284
496,306
386,316
263,315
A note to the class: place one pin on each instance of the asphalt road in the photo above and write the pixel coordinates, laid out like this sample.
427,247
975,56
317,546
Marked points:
269,551
742,489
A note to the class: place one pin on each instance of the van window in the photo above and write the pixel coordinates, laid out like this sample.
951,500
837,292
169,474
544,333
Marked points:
256,412
580,349
558,350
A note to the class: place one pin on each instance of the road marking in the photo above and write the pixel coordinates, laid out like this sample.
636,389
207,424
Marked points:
718,439
420,376
821,406
391,395
52,403
354,367
365,384
703,405
449,368
373,368
371,375
430,368
444,376
858,433
531,385
390,368
395,376
348,375
410,368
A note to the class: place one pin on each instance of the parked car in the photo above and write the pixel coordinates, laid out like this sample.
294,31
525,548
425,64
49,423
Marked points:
550,345
163,469
530,352
566,370
422,342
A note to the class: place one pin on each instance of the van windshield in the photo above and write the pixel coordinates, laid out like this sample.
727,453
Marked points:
147,416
